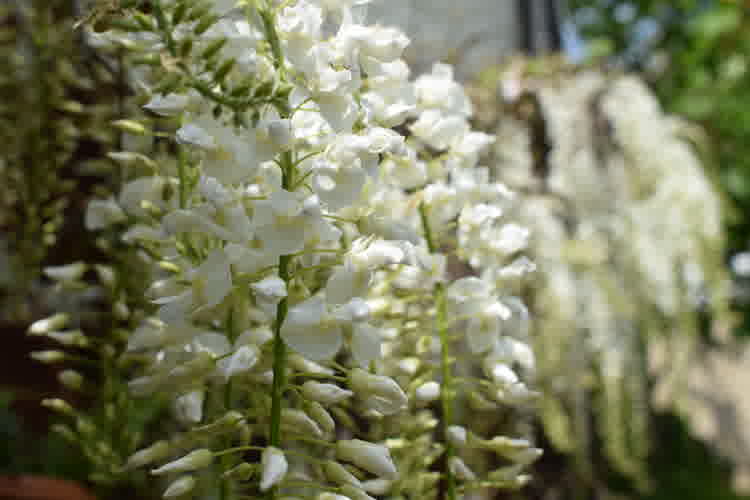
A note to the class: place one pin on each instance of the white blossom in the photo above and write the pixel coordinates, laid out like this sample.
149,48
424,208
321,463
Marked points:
372,457
275,467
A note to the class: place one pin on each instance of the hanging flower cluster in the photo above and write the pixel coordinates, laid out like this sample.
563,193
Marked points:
628,230
329,262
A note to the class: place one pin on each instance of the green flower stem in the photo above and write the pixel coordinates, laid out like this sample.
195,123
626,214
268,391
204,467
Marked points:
287,164
446,391
272,36
279,359
279,347
163,24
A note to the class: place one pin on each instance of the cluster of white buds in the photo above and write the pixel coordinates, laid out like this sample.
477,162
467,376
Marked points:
320,244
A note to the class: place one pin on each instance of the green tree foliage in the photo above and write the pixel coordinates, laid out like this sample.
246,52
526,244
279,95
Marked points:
696,52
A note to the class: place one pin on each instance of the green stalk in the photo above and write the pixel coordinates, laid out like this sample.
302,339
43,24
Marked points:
279,347
446,391
163,25
287,183
273,38
279,359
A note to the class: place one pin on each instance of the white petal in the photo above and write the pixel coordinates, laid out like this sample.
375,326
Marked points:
346,283
241,361
189,407
371,457
213,343
101,214
283,239
274,467
167,105
180,487
481,333
195,136
365,344
214,279
272,289
328,394
248,260
317,344
305,332
176,311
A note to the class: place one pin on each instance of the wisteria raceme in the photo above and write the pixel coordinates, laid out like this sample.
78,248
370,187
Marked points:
611,187
330,260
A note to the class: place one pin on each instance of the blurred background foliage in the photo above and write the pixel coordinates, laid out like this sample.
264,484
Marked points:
58,96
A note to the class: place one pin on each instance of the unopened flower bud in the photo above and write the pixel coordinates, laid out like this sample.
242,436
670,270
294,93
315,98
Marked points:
70,338
71,379
479,402
64,431
428,480
328,394
271,289
377,486
48,356
274,467
280,132
299,422
58,405
121,310
101,214
227,423
240,472
459,468
355,493
505,474
366,384
85,427
303,364
126,159
321,417
456,435
46,325
428,392
106,275
180,486
337,473
409,366
188,407
66,273
519,451
501,373
167,105
241,361
371,457
197,367
331,496
194,460
157,451
130,126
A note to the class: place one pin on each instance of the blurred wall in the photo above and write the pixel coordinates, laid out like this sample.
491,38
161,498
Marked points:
484,30
479,32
